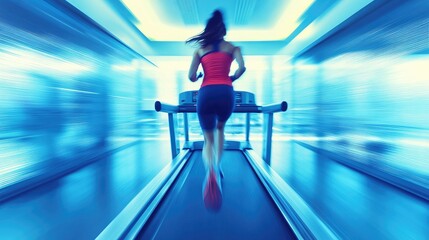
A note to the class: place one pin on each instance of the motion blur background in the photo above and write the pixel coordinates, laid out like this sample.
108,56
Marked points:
78,80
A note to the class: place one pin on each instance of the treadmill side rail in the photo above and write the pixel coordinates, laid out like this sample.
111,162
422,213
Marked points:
303,220
128,222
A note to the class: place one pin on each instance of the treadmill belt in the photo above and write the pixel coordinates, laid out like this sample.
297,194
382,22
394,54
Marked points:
247,211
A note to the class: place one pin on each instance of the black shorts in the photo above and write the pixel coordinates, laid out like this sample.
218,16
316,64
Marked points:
215,103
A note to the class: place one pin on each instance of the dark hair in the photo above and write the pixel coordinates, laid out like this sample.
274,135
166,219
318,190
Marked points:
215,30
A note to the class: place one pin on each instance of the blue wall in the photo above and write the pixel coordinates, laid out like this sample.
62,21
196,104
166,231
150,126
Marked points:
66,87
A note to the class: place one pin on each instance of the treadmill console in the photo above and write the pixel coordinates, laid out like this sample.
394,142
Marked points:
241,98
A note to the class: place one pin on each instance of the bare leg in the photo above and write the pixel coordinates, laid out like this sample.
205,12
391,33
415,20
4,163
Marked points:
212,187
208,149
209,158
220,139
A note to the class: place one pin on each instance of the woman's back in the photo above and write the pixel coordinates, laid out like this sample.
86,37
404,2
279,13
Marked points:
224,46
216,60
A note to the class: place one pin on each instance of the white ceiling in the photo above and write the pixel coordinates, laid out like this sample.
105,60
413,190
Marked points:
246,20
261,27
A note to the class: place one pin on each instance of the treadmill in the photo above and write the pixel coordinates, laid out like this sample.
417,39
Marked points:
256,203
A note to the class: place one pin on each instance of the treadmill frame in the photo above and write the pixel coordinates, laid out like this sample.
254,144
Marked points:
301,218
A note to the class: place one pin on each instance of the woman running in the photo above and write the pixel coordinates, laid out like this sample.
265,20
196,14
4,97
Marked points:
216,97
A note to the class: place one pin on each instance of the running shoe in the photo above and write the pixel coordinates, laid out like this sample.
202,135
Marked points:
212,191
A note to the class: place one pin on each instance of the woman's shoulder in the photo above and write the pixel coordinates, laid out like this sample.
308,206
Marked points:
229,47
229,44
200,51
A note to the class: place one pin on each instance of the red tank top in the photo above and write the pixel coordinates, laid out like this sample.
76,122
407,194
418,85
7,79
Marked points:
216,66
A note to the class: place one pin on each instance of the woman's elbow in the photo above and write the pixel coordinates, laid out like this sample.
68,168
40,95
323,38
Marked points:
242,69
191,77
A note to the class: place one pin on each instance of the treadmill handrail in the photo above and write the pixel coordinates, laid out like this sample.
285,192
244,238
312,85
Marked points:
239,108
164,107
277,107
267,110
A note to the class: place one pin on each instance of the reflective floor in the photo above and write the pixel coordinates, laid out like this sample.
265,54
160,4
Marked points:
81,204
353,204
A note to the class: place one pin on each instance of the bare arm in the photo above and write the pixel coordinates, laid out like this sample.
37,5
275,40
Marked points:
192,75
241,68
